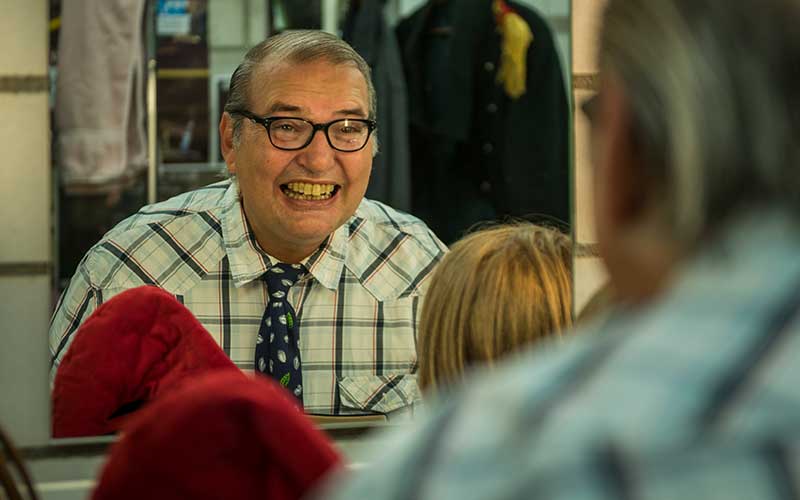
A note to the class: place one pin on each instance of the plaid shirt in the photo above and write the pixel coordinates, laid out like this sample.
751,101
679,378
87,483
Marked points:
694,396
357,308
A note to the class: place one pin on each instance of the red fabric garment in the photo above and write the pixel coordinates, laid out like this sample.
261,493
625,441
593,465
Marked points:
218,436
133,348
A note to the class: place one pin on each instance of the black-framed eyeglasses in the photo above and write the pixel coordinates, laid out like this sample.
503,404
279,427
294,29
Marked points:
290,133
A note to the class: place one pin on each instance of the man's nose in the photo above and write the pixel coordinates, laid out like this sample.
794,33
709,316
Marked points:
318,155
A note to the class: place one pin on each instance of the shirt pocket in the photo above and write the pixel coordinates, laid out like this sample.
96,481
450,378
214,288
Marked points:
379,393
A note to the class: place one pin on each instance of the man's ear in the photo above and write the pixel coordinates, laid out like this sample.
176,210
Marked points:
628,185
226,142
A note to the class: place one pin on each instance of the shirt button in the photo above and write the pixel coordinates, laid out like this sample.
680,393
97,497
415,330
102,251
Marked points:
491,108
488,147
486,187
488,66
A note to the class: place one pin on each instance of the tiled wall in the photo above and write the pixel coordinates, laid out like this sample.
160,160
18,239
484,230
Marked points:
25,245
589,270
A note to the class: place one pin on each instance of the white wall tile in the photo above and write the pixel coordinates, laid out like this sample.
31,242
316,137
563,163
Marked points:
24,358
590,275
25,200
590,272
584,201
585,30
23,37
25,178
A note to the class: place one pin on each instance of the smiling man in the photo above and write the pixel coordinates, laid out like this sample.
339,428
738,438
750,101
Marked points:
292,271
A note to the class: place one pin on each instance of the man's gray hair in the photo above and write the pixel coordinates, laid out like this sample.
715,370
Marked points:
298,47
714,89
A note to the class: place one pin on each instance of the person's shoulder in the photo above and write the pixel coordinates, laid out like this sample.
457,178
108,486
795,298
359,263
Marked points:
207,199
649,382
482,428
182,234
528,417
389,251
391,221
382,214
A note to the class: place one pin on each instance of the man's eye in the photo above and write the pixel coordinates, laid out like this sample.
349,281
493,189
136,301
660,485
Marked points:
286,127
350,129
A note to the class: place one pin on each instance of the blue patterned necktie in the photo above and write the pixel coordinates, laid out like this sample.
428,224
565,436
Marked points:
278,343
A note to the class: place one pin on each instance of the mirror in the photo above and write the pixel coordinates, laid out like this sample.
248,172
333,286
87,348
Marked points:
197,45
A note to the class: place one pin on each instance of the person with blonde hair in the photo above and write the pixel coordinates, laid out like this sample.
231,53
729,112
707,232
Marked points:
498,290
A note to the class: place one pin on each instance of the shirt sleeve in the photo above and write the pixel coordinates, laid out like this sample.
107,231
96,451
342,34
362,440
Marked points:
427,461
77,302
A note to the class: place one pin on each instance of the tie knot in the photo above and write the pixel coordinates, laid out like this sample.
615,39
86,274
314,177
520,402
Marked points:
280,277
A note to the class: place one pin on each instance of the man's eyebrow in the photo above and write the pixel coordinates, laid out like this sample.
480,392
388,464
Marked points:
282,106
351,111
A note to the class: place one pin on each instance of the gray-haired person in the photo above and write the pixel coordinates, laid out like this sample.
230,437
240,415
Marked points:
285,263
690,390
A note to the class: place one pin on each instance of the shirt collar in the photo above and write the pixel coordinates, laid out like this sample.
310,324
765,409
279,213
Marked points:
248,261
753,251
327,263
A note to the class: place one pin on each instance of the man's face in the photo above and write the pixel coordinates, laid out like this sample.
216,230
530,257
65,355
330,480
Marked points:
631,236
606,147
287,227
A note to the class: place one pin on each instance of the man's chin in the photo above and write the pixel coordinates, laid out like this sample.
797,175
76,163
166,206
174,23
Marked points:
313,220
312,232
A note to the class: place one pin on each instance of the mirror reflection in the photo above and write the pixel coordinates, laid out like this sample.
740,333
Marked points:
300,252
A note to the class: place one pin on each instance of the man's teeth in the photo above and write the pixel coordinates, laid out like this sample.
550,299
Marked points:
306,191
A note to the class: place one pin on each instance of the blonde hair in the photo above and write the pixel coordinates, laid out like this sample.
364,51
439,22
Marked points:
497,290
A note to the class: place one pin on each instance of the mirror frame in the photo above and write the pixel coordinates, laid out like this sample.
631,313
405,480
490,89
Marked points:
26,413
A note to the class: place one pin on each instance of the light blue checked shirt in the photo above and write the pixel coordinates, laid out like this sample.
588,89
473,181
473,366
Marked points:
695,396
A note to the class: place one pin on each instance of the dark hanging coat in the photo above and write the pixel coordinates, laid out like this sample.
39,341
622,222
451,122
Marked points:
476,154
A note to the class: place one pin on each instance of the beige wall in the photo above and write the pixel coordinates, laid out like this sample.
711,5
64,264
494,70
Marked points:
25,246
589,270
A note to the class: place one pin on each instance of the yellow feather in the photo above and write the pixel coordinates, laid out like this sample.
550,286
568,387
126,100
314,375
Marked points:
517,37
